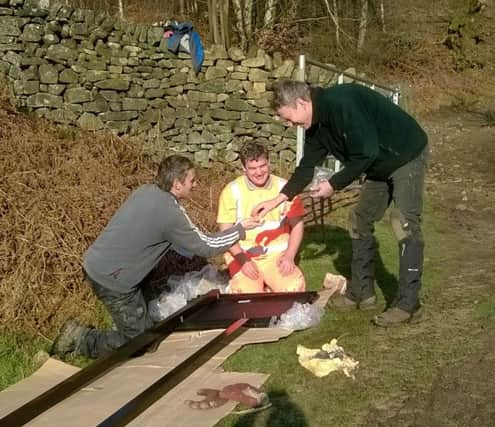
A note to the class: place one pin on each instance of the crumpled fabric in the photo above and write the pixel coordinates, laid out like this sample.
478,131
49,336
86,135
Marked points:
244,393
331,357
336,283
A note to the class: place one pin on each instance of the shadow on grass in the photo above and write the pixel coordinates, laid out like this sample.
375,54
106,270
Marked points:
282,413
335,242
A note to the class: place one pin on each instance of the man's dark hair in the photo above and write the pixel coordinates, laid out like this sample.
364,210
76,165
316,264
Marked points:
172,168
252,150
287,91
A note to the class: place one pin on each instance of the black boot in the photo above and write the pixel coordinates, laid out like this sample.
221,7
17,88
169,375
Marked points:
363,269
410,272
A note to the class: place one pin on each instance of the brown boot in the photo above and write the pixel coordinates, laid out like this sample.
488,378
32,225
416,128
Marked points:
341,302
395,316
368,303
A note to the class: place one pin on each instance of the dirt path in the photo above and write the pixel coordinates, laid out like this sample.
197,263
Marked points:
461,184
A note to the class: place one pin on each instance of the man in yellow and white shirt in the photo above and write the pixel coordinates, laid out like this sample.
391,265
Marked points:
264,261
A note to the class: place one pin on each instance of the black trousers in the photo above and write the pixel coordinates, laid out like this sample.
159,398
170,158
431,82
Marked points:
403,191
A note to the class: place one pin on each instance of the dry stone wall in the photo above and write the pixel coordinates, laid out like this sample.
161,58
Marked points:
89,69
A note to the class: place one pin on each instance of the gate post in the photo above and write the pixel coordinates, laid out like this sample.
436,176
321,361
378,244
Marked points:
301,76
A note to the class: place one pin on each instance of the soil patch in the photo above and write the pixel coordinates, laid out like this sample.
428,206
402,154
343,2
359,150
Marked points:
461,183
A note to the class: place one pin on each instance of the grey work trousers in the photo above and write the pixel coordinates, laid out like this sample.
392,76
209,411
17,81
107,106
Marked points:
129,312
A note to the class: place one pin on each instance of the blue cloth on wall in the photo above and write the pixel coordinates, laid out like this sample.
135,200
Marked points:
186,39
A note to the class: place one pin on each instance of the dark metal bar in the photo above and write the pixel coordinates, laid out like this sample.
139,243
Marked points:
158,389
198,325
252,306
66,388
259,308
352,76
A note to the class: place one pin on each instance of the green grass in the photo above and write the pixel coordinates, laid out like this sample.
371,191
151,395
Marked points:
485,310
19,357
21,354
392,362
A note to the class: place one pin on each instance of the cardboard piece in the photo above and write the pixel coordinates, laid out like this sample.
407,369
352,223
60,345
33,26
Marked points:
95,403
50,374
175,412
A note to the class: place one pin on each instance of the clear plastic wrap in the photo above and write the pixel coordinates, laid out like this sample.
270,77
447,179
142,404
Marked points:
184,288
164,306
299,316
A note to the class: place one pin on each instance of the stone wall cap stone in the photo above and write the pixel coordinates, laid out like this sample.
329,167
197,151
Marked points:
236,54
258,61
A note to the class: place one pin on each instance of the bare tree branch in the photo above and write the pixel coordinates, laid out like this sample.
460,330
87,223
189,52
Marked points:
382,16
269,19
363,25
337,24
336,20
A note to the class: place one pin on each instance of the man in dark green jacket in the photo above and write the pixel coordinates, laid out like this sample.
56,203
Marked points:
371,136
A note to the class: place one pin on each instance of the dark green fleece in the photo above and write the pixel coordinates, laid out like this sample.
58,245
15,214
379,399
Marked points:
363,129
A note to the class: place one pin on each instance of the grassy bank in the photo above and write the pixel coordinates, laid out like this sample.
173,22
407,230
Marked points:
18,357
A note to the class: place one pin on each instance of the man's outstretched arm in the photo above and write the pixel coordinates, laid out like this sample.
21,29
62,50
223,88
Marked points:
261,209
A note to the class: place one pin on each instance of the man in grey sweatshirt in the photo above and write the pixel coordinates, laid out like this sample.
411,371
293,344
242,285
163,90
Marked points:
118,264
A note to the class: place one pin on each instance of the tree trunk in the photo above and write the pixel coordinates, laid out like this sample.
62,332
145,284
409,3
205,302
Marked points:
216,33
211,20
363,25
269,19
239,23
248,19
121,9
192,6
224,23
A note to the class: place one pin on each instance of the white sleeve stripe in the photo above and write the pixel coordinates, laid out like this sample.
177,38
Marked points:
215,242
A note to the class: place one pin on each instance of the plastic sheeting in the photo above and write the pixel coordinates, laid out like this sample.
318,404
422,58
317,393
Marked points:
299,316
184,288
